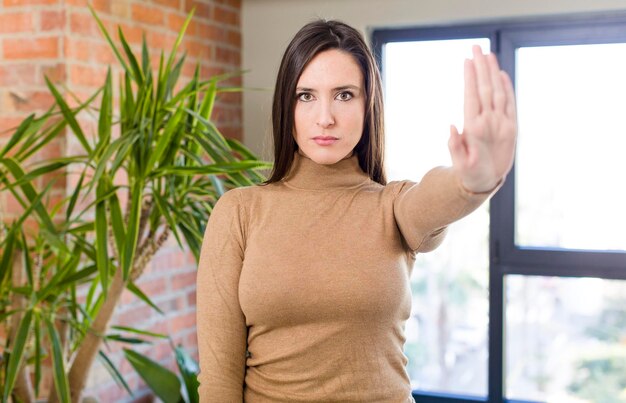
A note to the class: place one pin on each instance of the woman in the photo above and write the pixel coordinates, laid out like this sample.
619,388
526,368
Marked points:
303,283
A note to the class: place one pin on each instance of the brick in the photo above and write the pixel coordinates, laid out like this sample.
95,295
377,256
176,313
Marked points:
231,3
227,56
16,22
26,101
191,298
169,3
103,54
55,73
132,33
199,50
17,75
120,9
222,14
47,48
175,22
103,6
83,24
182,322
87,75
202,10
52,20
147,15
183,280
234,38
160,41
8,125
77,49
11,3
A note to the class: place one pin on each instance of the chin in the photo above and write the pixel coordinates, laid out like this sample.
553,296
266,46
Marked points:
326,157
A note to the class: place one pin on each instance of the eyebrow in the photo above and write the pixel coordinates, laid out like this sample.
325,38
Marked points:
341,88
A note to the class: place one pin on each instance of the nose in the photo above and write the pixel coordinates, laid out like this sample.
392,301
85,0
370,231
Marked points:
325,117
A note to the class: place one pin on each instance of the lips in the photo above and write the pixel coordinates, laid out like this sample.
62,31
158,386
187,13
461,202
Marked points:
325,140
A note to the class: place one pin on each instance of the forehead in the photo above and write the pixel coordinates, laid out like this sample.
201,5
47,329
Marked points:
333,68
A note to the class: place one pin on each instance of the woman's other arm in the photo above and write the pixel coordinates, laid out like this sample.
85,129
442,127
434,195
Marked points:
222,332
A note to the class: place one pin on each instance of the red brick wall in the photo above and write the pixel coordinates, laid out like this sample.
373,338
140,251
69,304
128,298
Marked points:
60,39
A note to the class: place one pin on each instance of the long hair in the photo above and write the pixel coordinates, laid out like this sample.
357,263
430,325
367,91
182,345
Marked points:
312,39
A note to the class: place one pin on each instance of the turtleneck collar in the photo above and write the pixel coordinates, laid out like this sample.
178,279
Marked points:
307,174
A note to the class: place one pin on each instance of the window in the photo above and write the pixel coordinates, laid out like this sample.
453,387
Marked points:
526,299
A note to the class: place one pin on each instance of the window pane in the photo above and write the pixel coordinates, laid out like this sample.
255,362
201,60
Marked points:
570,165
565,339
447,331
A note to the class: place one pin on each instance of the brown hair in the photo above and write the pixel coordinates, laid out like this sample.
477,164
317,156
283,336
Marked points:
312,39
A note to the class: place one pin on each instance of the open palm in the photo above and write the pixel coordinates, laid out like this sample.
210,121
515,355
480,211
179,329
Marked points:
483,153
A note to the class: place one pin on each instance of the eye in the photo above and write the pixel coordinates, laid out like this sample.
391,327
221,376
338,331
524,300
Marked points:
305,97
345,96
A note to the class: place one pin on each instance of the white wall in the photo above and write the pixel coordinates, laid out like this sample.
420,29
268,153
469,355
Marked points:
269,25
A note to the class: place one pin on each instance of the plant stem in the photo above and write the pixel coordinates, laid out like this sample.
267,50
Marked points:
88,350
23,390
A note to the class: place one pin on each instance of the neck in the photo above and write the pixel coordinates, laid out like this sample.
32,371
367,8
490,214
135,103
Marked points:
307,174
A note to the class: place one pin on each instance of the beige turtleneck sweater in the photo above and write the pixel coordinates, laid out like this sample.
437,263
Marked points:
303,285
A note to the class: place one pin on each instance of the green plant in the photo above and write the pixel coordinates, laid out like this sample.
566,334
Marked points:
164,383
154,168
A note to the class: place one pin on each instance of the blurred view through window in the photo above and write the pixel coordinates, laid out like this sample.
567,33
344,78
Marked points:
563,339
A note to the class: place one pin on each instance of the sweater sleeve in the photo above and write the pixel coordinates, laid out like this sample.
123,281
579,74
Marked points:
424,210
221,326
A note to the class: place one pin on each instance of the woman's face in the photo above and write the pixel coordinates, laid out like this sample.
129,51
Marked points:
330,107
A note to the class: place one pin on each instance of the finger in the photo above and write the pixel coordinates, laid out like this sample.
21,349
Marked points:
510,110
457,148
499,96
471,103
483,80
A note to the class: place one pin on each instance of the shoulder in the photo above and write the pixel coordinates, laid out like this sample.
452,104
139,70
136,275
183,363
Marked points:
395,188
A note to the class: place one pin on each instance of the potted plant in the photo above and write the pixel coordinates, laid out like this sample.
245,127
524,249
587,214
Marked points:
154,169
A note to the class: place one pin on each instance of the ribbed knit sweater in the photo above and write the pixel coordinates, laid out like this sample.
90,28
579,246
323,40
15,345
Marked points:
303,285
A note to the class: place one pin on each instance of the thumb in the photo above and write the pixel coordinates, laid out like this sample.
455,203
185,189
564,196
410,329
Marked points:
457,148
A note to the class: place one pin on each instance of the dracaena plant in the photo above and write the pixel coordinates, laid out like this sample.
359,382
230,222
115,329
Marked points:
153,168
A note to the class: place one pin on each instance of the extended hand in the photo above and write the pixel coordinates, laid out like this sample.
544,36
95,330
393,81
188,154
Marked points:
483,154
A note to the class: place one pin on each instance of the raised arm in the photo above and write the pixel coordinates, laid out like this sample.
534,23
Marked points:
222,332
482,155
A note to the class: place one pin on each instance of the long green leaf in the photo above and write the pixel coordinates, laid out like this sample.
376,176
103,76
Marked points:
106,112
165,140
117,222
38,358
115,374
78,276
74,198
102,251
58,367
137,73
179,39
206,108
7,254
16,355
17,136
139,331
69,116
212,169
189,370
28,261
139,294
30,192
108,39
132,227
163,382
